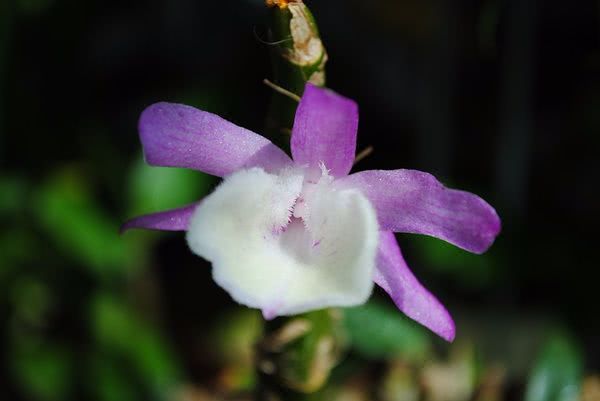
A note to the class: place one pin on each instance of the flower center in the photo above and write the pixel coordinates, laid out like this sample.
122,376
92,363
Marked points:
303,234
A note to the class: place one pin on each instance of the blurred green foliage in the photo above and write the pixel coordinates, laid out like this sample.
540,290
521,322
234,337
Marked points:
378,331
76,222
557,372
155,189
43,371
120,332
110,381
475,271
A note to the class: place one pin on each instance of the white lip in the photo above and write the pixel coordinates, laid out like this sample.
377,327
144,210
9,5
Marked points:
285,245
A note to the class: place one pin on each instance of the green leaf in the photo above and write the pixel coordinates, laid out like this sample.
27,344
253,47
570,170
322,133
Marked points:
43,371
557,373
78,225
473,270
159,188
15,248
232,343
119,329
13,195
235,334
31,300
109,381
378,330
17,238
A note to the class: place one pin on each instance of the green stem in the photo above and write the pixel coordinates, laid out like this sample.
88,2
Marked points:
296,355
298,56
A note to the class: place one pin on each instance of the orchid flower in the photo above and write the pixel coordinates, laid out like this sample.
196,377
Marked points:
288,236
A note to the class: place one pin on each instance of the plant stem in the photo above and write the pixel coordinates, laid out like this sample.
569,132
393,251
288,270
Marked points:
298,56
296,355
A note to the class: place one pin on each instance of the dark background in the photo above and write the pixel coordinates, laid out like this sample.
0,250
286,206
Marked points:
501,98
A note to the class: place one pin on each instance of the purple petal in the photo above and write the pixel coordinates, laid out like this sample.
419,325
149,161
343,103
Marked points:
169,220
412,201
175,135
325,130
393,275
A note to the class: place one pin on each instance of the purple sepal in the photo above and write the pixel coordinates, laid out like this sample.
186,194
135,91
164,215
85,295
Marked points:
394,276
412,201
176,135
168,220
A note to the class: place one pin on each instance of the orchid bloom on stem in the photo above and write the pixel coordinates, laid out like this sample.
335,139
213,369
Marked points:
288,236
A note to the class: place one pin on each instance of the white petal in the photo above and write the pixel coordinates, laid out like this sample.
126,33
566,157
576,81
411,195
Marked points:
292,270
